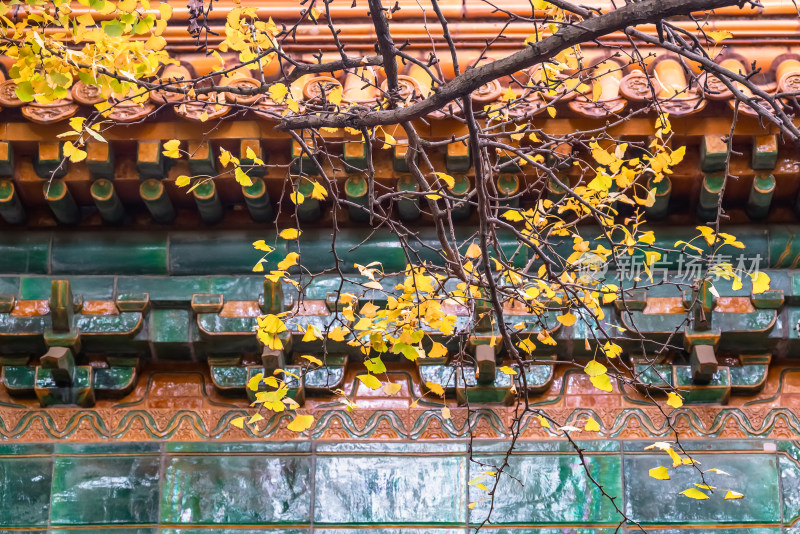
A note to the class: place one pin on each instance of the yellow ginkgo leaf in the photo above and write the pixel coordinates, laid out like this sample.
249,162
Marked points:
262,245
238,422
391,388
435,388
74,153
694,493
370,381
165,9
568,319
513,216
255,418
253,383
506,370
289,261
318,192
290,233
336,334
718,36
242,178
595,368
335,95
543,422
388,141
445,412
297,197
591,425
171,149
155,42
708,234
674,400
597,90
437,351
183,181
760,282
733,495
312,333
473,251
301,423
602,382
659,473
76,123
278,92
313,359
446,178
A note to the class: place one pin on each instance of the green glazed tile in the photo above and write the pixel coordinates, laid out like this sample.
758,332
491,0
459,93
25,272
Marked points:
24,253
522,446
9,285
27,449
91,490
109,253
110,448
652,501
25,491
114,379
381,448
556,490
385,489
390,531
549,531
239,490
106,529
238,447
700,445
19,378
169,333
165,290
790,483
229,377
234,531
237,287
766,530
196,253
89,287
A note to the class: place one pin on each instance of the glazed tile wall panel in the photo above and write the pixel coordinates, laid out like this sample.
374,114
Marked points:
237,489
556,490
388,488
756,475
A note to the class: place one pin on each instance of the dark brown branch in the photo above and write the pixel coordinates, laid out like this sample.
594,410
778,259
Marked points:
632,14
385,46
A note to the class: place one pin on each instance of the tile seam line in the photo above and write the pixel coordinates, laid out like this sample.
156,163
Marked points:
313,487
161,482
52,482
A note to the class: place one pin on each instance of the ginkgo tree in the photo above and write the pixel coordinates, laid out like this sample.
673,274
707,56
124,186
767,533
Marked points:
585,191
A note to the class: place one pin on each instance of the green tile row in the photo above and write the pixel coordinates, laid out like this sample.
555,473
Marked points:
403,530
332,487
199,253
231,252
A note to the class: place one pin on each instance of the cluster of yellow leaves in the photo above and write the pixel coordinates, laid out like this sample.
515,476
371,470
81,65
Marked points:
249,37
662,473
725,270
272,394
126,40
590,425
